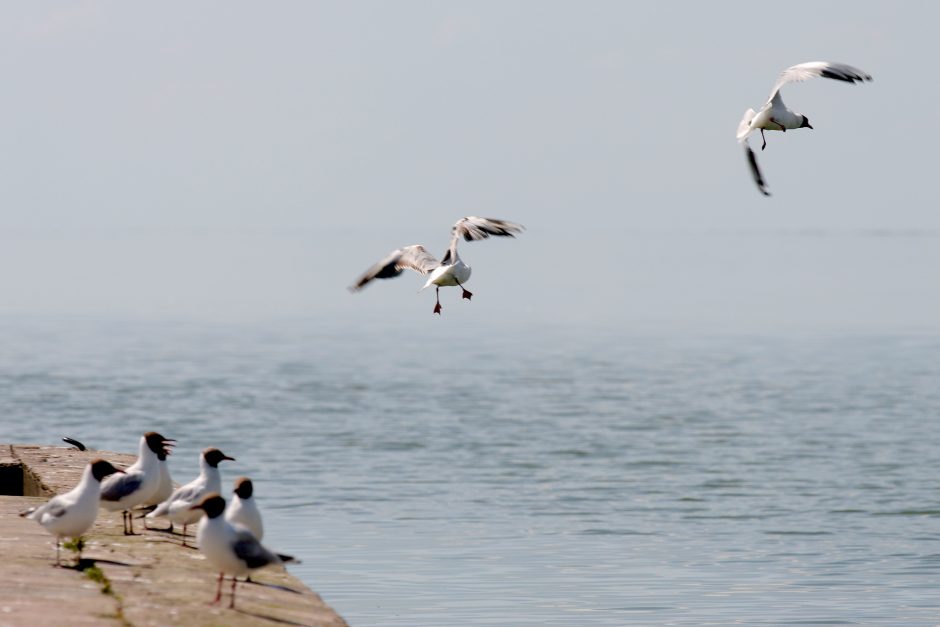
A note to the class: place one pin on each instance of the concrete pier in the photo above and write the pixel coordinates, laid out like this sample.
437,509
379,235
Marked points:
148,579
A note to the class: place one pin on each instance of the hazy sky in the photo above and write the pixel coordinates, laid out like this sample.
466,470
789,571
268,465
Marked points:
237,160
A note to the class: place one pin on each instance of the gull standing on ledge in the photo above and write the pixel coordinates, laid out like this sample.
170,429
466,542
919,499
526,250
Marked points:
449,271
179,506
126,491
231,549
775,116
73,513
243,510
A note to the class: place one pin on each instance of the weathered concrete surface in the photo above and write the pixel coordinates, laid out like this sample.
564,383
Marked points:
154,580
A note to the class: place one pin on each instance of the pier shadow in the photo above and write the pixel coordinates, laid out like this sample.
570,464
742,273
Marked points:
89,562
273,619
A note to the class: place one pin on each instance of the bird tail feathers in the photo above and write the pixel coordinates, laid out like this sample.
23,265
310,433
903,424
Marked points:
744,126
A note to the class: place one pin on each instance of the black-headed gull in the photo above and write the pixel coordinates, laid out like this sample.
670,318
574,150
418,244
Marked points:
126,491
71,514
243,510
775,116
232,549
163,492
179,506
448,272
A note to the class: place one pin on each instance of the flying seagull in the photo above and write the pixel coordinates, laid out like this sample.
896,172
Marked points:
449,271
775,116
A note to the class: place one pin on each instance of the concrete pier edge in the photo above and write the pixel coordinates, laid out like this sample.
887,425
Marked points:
147,579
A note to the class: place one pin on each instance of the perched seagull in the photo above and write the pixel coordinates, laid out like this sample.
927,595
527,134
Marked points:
450,270
126,491
775,116
179,506
244,510
73,513
163,492
232,549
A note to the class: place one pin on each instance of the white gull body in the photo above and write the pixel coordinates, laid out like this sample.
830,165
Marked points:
72,514
178,507
231,549
243,509
137,485
776,116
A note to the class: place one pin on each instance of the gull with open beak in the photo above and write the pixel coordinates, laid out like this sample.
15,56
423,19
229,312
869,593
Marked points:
123,492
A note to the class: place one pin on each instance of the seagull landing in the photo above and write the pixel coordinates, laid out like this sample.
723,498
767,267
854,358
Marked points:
775,116
449,271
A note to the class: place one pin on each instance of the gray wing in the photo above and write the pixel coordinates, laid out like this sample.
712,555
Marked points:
186,493
755,170
414,257
249,550
474,228
53,508
826,69
117,486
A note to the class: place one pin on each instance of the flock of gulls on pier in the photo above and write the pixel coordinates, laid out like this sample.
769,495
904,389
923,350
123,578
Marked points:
229,535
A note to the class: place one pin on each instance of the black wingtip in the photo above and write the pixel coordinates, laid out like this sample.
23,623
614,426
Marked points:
74,443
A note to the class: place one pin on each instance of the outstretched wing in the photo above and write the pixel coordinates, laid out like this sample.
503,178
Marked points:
414,257
755,170
474,228
826,69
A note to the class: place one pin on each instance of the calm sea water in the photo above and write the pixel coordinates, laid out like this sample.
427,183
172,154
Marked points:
536,478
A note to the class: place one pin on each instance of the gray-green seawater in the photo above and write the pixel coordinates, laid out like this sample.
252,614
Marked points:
532,477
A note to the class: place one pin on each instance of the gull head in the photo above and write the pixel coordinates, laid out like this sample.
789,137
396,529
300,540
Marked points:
213,505
805,123
213,456
243,487
101,469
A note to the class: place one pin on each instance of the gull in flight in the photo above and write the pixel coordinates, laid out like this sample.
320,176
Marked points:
449,271
775,116
73,513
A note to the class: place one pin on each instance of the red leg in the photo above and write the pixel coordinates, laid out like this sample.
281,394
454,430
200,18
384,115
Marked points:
218,591
465,294
437,307
232,602
764,145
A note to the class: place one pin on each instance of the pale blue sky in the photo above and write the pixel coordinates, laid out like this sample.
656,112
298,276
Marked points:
247,161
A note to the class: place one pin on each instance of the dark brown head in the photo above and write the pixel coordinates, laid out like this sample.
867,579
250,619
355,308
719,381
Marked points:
213,456
101,469
158,444
805,123
213,505
243,488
